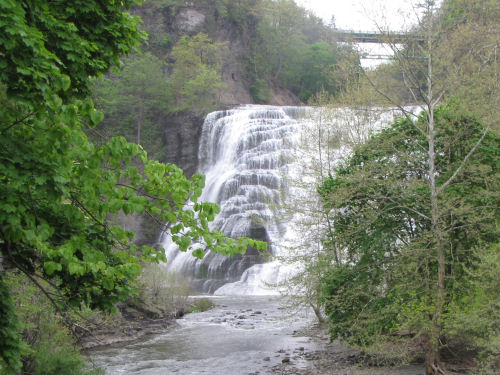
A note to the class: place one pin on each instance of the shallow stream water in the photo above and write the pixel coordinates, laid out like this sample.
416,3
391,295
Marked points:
241,335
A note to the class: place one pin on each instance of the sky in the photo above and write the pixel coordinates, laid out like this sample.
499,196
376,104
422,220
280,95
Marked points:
365,15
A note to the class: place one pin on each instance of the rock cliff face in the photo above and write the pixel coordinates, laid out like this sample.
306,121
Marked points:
181,136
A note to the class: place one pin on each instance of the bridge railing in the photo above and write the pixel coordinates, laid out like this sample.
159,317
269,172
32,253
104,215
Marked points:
379,37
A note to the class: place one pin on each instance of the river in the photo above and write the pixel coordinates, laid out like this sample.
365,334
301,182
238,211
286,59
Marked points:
241,335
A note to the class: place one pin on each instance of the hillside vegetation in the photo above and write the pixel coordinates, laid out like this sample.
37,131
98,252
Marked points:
213,53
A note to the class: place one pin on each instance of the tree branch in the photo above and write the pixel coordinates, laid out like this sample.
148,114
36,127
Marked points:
405,112
459,169
18,122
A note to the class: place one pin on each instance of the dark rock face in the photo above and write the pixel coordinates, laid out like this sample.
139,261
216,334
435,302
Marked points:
181,136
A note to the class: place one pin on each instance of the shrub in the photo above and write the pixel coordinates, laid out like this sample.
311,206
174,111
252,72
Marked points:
200,305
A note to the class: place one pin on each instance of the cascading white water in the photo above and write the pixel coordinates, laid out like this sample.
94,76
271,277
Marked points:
244,153
247,155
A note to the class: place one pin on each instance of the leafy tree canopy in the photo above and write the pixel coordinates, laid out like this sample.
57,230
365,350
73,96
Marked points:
196,71
379,201
57,189
134,100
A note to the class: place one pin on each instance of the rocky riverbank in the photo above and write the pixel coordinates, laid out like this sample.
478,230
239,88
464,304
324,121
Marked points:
334,358
130,323
239,336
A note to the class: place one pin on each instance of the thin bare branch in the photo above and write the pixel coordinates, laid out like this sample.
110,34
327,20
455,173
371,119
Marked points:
459,169
408,114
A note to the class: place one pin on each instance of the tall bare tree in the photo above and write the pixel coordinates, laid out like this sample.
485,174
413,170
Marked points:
424,70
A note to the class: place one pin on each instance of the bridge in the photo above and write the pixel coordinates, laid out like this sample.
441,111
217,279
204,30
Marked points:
351,36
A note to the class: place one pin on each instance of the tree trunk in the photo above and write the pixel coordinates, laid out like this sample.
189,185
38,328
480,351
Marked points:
317,312
139,123
432,351
280,66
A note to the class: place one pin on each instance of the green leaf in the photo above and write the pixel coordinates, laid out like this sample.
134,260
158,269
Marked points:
50,267
96,117
75,268
198,253
108,284
184,243
66,82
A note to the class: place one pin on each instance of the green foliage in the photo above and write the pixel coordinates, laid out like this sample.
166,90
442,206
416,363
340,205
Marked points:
464,58
48,53
134,101
63,360
379,202
49,49
474,316
51,347
58,189
282,43
260,91
146,90
196,71
319,59
297,49
468,64
240,13
10,346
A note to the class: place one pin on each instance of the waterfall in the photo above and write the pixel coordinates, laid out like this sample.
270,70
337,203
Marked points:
249,155
244,154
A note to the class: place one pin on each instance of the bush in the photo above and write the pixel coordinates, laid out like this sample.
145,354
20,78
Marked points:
163,290
474,319
260,91
51,348
200,305
63,360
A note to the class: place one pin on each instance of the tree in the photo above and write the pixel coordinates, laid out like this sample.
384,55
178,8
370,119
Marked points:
304,212
327,132
43,80
419,62
468,51
382,215
57,189
51,344
278,33
196,71
135,98
316,66
474,317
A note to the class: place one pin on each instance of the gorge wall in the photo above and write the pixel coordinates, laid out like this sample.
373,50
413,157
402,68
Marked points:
181,131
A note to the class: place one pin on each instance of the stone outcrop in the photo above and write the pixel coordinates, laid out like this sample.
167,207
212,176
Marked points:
181,137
